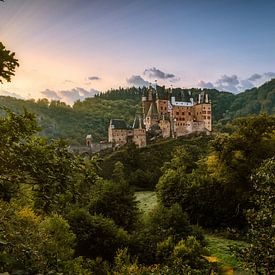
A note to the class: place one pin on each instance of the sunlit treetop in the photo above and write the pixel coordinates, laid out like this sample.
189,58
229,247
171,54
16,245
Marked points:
8,63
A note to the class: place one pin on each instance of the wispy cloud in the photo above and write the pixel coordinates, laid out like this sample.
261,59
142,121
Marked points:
91,78
203,84
254,77
68,81
269,74
235,84
69,96
50,94
11,94
158,74
138,81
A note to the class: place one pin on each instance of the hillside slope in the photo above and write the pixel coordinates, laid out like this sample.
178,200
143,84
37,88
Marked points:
92,115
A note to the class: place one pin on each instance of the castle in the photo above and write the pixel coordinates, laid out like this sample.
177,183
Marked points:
165,113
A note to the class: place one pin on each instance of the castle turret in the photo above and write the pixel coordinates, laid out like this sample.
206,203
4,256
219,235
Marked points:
152,116
206,98
150,94
143,97
139,132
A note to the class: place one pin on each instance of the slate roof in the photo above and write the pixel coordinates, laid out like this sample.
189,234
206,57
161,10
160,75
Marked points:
138,123
153,111
119,124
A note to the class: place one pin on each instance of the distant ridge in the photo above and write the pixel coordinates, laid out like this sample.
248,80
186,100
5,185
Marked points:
92,115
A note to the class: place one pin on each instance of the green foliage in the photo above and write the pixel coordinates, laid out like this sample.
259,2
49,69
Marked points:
92,115
212,187
189,253
8,63
16,132
51,186
115,200
30,244
96,236
58,241
163,225
143,166
254,101
259,255
220,247
201,186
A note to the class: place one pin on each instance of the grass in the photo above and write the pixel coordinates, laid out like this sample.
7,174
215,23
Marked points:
217,245
147,200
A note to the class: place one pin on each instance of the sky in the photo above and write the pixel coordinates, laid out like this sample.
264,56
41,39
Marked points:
71,49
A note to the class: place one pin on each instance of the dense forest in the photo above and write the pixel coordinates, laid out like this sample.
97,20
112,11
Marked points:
92,115
64,214
67,214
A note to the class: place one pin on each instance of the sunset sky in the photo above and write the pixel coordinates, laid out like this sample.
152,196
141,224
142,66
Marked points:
68,49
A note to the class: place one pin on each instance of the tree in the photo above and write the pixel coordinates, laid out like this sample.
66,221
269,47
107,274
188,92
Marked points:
96,236
115,200
164,224
16,132
52,172
8,63
259,255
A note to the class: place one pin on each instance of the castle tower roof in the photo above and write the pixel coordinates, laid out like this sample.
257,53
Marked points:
138,123
153,111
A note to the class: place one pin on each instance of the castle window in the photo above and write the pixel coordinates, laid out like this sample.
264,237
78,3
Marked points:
189,114
182,113
177,113
204,117
209,112
208,117
165,108
161,107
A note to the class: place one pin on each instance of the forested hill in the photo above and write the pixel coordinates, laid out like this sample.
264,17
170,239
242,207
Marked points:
92,115
253,101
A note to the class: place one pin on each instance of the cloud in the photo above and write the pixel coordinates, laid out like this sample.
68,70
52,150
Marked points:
156,73
235,84
50,94
269,75
93,78
254,77
228,83
68,81
137,80
207,85
247,84
226,80
6,93
69,96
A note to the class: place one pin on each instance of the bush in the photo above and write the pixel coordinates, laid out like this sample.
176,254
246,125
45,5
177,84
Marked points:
97,236
115,200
